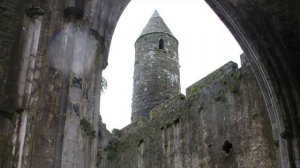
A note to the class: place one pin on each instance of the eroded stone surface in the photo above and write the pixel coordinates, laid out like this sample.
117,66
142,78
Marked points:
268,32
156,68
191,131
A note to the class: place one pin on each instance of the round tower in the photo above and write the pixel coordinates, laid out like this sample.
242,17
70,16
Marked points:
156,69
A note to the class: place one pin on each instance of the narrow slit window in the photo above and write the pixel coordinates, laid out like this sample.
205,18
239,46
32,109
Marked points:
161,44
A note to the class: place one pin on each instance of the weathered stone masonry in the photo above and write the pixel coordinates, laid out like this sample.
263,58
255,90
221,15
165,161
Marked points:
190,131
34,97
221,122
52,59
156,68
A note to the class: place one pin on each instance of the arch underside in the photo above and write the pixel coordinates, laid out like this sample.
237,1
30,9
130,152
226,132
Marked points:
268,33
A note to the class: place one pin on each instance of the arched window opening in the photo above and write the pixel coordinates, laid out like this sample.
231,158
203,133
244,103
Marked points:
197,41
161,44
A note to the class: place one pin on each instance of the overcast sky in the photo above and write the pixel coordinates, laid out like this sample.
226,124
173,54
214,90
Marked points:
205,44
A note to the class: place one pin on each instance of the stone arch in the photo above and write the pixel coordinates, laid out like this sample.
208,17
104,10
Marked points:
268,33
274,70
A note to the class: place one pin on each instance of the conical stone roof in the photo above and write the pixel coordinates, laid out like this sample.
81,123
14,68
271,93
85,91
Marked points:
156,24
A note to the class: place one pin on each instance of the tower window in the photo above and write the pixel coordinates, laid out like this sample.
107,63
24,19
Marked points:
161,44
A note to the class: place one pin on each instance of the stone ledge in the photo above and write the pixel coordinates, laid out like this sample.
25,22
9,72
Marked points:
217,75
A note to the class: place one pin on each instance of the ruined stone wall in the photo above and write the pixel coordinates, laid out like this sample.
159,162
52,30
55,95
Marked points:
156,73
10,29
52,56
225,108
11,12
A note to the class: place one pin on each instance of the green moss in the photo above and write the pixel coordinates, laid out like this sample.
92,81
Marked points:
100,156
117,147
234,88
112,153
194,90
116,132
180,97
87,127
153,114
238,76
